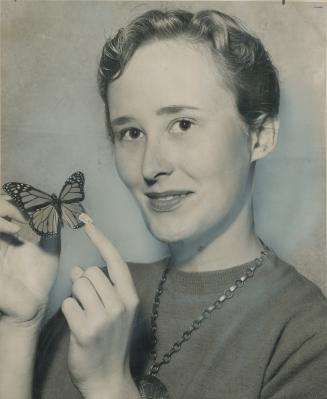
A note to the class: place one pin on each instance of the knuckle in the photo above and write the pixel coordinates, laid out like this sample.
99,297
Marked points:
85,336
91,271
134,302
30,308
78,286
99,325
118,309
66,304
93,331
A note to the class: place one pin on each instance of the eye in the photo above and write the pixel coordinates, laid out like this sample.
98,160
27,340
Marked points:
181,126
130,134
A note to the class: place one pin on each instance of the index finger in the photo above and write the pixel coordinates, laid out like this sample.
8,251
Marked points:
117,267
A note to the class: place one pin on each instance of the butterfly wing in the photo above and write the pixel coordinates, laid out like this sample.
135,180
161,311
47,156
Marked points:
27,197
73,189
70,197
44,211
70,214
38,205
45,221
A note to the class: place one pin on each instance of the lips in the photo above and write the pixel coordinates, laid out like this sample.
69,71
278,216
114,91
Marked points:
168,200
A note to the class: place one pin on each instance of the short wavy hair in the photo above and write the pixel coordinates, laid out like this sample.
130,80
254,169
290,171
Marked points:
241,57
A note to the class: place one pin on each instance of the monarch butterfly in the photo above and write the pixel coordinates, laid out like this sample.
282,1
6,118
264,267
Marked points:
47,213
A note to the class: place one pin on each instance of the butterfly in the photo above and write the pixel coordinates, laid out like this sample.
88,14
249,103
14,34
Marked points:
47,213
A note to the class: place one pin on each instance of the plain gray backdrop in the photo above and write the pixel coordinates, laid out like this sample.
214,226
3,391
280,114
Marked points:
53,123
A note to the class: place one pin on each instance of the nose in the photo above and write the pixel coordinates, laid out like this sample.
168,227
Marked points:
156,161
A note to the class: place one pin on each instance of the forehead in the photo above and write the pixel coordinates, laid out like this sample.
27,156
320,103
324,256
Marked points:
169,72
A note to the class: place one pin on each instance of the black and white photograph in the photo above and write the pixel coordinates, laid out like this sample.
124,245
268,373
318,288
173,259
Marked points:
163,200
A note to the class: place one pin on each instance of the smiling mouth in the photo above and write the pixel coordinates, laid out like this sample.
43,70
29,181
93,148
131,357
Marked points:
168,200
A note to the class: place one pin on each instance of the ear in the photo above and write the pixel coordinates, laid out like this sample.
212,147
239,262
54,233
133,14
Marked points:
263,139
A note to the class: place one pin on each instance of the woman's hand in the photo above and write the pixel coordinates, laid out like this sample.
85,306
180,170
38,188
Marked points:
100,316
27,271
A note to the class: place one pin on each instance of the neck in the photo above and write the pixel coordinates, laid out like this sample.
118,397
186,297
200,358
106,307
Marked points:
219,250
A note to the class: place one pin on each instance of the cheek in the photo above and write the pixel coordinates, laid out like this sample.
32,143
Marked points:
223,165
126,168
220,157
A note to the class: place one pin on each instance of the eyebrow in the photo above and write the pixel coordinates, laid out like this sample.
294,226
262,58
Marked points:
122,120
174,109
171,109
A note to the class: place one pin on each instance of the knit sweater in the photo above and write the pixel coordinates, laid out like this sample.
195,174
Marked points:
268,341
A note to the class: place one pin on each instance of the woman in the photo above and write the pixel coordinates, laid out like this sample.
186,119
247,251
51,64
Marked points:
191,104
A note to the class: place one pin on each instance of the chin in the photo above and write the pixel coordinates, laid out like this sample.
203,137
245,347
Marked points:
167,233
191,229
171,232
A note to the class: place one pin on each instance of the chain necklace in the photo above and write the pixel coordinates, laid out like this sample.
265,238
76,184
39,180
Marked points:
149,385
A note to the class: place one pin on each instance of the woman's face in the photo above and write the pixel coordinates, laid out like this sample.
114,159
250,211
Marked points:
180,145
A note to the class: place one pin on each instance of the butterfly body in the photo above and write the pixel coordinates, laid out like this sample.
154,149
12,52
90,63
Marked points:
56,203
48,213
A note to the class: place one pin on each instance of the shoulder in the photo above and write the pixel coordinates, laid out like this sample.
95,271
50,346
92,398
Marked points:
301,308
287,291
297,310
291,309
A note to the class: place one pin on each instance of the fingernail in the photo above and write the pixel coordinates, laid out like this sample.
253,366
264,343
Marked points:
83,217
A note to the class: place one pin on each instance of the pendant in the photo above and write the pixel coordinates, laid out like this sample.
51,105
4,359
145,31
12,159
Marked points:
151,387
